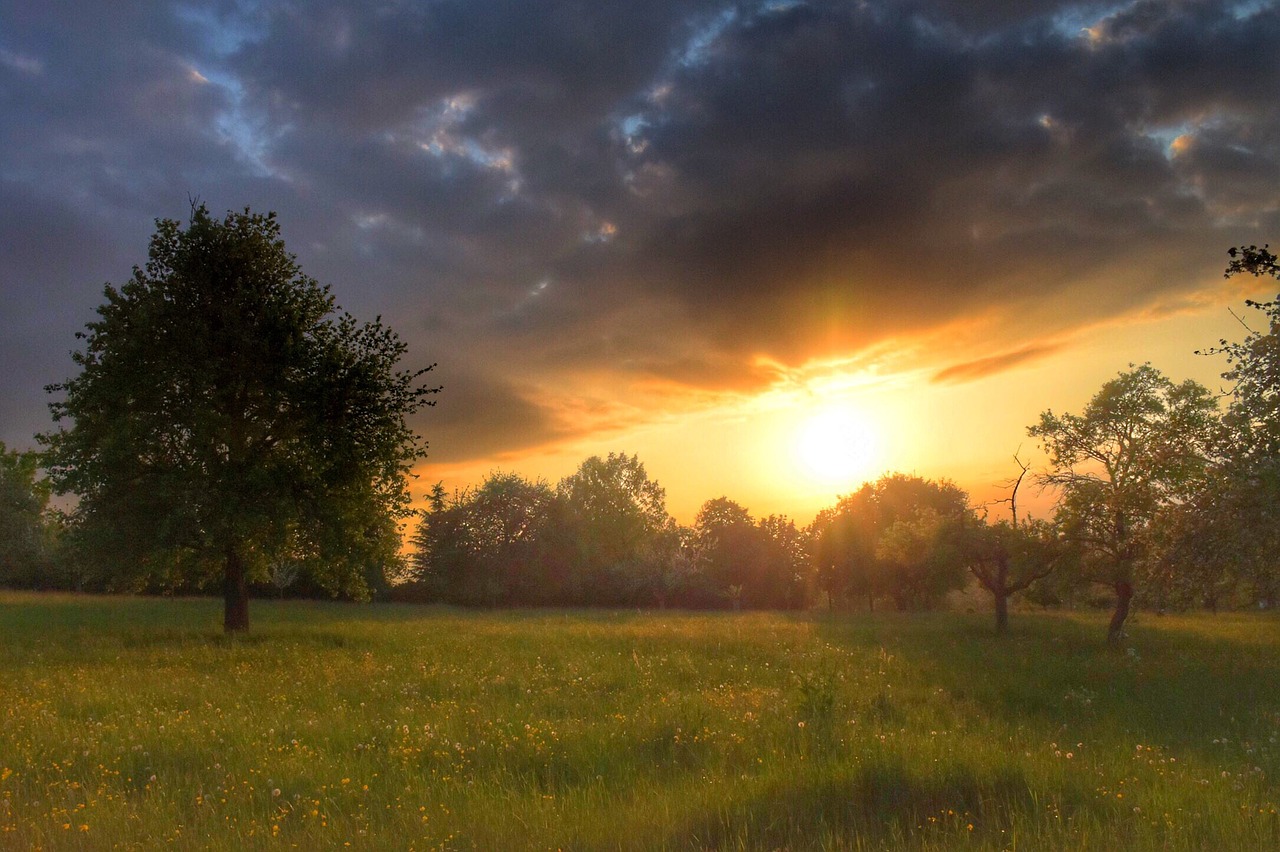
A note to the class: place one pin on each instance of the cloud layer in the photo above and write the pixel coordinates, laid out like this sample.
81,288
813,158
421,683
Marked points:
584,209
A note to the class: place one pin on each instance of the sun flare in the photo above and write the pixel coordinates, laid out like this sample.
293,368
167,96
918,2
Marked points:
837,445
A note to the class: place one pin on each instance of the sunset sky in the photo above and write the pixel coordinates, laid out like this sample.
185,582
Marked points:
774,248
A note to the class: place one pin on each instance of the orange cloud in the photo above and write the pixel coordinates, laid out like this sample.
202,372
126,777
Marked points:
969,371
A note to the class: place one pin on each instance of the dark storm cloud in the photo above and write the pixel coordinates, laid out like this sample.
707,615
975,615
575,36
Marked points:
477,416
660,192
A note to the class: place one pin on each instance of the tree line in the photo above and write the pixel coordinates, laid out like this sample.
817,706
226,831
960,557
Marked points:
231,428
1166,499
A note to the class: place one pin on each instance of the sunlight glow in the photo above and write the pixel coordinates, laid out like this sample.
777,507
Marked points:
837,445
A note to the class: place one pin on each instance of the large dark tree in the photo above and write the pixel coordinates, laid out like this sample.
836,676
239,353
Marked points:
731,550
227,416
1141,443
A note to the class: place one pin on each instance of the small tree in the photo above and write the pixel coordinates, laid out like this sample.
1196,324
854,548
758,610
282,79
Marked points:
1140,443
225,414
1008,557
282,576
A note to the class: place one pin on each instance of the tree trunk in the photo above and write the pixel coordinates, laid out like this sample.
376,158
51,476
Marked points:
1002,612
235,613
1124,594
871,602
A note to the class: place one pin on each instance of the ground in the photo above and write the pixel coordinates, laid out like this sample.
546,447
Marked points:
133,722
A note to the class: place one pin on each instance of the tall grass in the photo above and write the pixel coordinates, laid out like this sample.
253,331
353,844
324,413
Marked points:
134,722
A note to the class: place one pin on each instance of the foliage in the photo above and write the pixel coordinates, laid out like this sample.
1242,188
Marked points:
1254,364
787,580
730,547
1141,443
601,538
26,526
745,563
893,537
226,416
496,544
1218,546
617,518
922,558
842,545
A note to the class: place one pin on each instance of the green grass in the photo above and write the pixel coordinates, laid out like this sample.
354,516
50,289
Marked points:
134,723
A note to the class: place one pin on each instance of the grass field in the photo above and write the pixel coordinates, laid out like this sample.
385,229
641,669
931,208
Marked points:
133,723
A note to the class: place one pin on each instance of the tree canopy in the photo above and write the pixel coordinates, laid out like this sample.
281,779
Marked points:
893,537
1140,443
227,416
25,531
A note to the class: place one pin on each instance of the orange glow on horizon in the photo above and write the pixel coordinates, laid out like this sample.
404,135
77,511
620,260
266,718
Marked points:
821,429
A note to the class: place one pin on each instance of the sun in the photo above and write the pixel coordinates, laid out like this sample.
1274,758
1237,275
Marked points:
837,444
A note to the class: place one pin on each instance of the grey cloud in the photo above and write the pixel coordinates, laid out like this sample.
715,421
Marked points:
658,191
478,415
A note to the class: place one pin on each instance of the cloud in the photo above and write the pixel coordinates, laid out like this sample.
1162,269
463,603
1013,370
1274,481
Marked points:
588,205
480,416
980,368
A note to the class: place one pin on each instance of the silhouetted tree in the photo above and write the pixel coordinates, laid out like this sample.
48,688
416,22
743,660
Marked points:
1009,556
785,579
1140,443
1222,542
616,515
26,535
226,413
731,549
895,536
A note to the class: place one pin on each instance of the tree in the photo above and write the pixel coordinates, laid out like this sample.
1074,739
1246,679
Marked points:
895,537
922,558
618,516
489,545
1254,364
25,529
784,580
842,548
1223,541
1008,557
1141,442
1200,551
670,567
731,548
227,415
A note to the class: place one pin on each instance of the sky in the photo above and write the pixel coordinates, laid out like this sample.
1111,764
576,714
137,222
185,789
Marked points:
773,248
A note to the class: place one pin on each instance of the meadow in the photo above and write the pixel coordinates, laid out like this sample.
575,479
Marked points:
133,723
